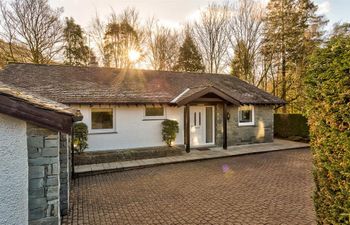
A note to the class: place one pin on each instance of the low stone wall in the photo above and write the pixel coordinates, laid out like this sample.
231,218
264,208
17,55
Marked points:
126,155
261,131
44,169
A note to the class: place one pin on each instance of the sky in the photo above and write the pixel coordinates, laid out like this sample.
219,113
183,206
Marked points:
174,12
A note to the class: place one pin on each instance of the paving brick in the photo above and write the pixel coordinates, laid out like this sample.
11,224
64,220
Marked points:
270,188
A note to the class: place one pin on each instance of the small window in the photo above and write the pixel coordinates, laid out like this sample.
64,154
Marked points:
154,111
246,115
102,118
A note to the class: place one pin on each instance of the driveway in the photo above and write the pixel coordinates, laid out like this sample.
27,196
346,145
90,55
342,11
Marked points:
268,188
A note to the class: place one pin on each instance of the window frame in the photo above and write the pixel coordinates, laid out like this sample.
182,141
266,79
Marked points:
163,117
250,123
98,131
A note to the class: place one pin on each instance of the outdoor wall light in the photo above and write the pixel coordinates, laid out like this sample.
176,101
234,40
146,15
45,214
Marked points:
228,116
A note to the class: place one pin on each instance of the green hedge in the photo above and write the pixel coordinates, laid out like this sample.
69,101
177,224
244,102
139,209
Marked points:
290,125
328,110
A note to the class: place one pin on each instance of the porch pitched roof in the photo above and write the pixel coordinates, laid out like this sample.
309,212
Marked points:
191,94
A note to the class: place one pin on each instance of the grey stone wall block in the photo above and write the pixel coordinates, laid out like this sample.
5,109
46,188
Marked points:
50,151
36,171
38,213
40,161
36,183
37,203
52,193
54,168
50,143
52,181
45,221
37,193
35,142
52,209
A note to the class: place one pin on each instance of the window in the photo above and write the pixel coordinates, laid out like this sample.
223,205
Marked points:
102,119
154,112
246,116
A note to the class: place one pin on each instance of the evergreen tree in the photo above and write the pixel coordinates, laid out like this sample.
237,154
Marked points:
292,31
75,51
241,65
189,59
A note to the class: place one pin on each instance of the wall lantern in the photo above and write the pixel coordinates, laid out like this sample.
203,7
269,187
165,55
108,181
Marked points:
228,116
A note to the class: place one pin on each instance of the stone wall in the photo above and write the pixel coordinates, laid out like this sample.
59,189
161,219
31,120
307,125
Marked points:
261,131
44,172
64,174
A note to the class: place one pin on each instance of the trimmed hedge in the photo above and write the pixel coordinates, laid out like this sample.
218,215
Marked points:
328,111
291,125
80,137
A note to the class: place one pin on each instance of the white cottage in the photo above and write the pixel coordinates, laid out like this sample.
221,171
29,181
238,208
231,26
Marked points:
124,108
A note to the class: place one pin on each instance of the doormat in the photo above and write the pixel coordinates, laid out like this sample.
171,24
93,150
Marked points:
203,149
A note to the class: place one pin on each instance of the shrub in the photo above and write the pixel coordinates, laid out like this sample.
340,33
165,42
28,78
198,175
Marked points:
80,137
290,125
170,128
328,110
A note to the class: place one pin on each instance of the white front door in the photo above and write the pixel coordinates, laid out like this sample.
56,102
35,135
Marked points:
201,125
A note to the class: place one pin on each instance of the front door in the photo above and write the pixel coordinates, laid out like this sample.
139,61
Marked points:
201,125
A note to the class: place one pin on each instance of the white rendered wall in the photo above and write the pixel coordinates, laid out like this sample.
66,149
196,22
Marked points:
132,129
13,171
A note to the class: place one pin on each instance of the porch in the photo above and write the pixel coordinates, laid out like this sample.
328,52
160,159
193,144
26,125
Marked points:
201,127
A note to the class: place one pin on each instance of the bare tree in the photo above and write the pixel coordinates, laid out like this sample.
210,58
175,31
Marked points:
245,36
210,33
96,32
35,26
162,45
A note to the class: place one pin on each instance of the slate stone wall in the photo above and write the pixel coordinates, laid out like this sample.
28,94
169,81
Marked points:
44,173
261,131
64,172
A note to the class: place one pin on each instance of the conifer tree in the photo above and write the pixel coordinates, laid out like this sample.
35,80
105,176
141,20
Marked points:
75,50
189,59
292,30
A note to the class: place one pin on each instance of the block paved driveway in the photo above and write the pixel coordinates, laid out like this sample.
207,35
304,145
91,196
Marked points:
269,188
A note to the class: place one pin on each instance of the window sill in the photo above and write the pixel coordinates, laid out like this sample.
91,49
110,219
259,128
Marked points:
153,119
103,132
246,124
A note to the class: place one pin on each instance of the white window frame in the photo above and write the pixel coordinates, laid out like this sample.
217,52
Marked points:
251,123
154,117
99,131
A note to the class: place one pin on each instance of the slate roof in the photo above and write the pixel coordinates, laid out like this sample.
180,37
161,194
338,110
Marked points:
36,101
100,85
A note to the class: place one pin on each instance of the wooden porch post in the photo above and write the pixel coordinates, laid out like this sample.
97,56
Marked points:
224,124
187,128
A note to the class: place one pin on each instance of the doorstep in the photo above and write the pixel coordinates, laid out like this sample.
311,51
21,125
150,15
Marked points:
194,155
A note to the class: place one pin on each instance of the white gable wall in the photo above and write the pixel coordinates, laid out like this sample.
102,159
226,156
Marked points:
132,128
13,171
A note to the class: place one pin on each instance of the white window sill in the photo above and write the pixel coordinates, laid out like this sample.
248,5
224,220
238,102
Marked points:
112,131
246,124
150,118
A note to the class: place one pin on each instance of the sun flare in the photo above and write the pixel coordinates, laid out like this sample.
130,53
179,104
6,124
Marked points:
133,55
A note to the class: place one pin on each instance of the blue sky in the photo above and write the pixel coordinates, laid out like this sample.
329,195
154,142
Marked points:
174,12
